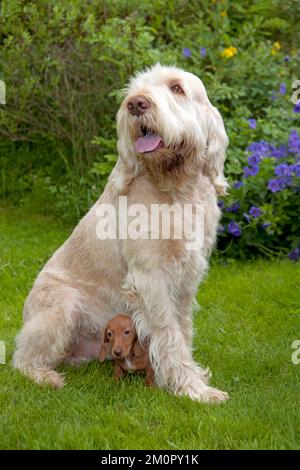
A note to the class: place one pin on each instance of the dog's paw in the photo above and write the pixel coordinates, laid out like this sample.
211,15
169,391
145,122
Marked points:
204,394
214,395
50,378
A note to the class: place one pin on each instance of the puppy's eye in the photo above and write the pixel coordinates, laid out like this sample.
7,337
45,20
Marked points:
177,89
109,334
126,332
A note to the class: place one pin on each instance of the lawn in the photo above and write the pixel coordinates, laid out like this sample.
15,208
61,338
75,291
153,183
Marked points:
249,318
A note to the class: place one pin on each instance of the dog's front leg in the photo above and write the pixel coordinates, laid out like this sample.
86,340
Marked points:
170,355
185,316
186,298
149,380
118,372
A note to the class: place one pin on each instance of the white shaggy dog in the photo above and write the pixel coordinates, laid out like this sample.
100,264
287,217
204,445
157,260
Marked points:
171,145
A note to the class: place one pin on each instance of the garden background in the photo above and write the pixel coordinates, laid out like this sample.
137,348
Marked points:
64,64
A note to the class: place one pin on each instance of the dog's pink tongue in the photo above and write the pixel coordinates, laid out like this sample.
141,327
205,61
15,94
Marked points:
147,143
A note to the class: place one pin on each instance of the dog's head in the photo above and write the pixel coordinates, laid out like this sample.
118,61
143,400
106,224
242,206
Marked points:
166,121
118,338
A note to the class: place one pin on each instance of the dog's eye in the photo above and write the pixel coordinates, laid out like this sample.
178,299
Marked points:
109,334
126,332
177,89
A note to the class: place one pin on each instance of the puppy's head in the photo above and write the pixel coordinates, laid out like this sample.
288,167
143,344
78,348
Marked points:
118,338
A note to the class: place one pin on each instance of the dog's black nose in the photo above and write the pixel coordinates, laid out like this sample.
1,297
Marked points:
118,352
138,105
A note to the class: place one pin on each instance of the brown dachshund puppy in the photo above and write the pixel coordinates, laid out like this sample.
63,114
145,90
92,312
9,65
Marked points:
121,342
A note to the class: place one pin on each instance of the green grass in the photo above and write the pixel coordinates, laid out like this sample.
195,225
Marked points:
249,318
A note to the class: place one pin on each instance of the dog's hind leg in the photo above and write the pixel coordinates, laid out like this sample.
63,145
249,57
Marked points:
46,335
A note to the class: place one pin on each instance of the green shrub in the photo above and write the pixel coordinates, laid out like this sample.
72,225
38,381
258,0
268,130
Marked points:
64,64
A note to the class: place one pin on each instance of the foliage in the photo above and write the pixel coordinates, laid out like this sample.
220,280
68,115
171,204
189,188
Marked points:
64,64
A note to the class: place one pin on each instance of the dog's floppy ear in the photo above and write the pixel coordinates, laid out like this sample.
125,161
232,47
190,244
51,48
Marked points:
140,348
104,348
215,152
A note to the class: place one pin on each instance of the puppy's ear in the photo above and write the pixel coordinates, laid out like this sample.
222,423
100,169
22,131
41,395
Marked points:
104,348
138,349
216,148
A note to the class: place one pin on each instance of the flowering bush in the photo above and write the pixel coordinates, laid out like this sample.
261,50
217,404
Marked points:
65,62
262,211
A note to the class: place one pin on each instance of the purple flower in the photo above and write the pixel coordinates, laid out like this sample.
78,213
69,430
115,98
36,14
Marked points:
221,204
252,123
252,171
294,255
266,224
280,152
254,160
275,185
262,148
287,58
296,169
294,142
233,208
283,170
273,97
286,181
255,212
289,181
186,51
238,184
246,217
234,229
282,89
203,51
297,108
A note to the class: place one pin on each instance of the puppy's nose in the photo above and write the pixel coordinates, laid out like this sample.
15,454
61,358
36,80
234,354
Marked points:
138,105
118,352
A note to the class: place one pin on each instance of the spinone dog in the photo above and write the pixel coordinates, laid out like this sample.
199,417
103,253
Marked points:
171,152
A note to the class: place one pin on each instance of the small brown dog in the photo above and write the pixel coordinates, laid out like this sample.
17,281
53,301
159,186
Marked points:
121,342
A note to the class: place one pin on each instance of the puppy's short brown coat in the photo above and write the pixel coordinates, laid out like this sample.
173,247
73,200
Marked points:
121,342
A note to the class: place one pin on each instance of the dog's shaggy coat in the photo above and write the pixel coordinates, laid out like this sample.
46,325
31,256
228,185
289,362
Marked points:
87,281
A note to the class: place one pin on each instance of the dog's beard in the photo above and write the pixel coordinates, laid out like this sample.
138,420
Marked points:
165,162
170,163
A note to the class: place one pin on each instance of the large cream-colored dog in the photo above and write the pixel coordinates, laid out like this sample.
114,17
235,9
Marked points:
171,145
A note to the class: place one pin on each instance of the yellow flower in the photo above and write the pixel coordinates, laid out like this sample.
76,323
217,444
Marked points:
229,52
276,47
224,13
